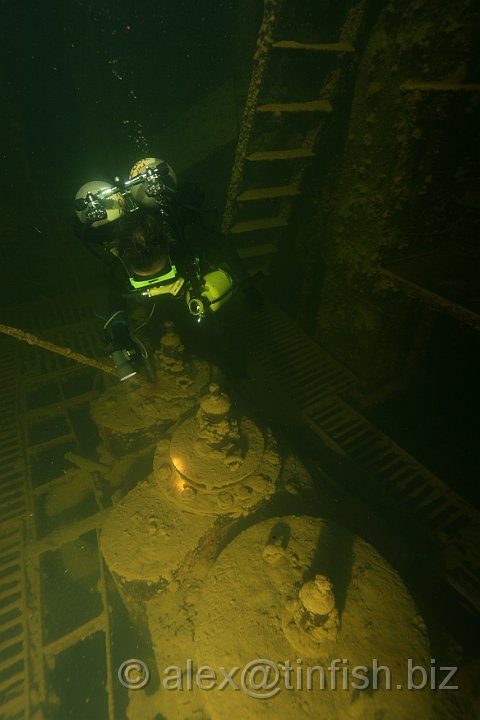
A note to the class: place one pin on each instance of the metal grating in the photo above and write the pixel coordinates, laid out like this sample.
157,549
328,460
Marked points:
296,369
14,680
448,518
39,392
13,496
291,362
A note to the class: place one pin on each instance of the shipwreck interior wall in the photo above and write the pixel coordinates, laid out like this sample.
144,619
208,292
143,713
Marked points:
361,371
393,197
409,165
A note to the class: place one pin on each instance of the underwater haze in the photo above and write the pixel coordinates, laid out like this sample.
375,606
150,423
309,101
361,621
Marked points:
239,316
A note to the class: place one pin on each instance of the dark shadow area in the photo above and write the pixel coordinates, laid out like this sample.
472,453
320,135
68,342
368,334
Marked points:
333,558
442,431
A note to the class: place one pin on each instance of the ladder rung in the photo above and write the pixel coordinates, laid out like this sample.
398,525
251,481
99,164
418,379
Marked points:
441,86
314,47
268,193
47,444
257,250
281,154
13,622
11,661
14,604
261,224
9,591
297,107
11,687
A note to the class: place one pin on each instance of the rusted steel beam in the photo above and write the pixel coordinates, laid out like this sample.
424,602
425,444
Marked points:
438,302
97,624
340,47
51,347
440,87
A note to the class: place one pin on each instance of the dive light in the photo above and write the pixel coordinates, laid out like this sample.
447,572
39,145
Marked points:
215,290
123,365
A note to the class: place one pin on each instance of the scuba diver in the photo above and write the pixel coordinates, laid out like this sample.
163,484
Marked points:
142,224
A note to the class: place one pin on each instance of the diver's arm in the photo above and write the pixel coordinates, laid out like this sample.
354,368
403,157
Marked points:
117,283
120,347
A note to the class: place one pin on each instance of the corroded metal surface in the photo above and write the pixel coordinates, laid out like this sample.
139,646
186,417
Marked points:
256,608
452,522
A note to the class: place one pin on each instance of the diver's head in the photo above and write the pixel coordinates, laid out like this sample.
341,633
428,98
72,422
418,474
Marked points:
143,245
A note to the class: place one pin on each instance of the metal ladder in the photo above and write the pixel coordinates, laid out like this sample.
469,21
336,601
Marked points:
287,116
